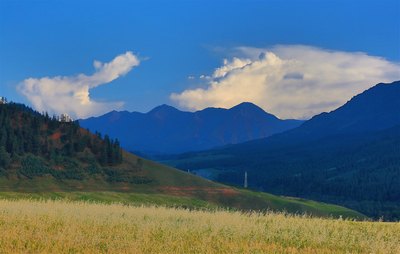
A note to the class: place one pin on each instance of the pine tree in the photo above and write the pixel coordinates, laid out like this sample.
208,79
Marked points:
4,157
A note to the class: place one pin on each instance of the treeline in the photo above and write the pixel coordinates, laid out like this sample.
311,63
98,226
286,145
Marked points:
25,131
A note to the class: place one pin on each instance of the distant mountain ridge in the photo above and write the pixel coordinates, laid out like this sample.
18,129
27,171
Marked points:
166,129
375,109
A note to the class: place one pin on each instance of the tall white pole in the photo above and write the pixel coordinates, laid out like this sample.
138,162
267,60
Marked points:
245,179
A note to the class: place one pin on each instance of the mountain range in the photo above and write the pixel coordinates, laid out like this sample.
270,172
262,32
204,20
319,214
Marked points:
167,130
349,156
42,157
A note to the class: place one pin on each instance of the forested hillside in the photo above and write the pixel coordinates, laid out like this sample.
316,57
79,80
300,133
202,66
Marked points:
350,156
32,144
358,171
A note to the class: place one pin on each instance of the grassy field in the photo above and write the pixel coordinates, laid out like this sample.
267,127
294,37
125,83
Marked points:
132,199
32,226
240,200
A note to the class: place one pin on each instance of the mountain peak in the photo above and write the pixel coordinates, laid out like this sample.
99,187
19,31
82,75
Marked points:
164,108
250,108
246,105
166,129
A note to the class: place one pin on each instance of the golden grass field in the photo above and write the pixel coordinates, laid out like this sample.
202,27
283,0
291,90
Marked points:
28,226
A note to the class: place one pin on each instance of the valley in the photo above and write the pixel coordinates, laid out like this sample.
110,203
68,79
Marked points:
180,127
61,160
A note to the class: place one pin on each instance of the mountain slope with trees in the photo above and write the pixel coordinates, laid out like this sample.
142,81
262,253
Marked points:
350,156
38,144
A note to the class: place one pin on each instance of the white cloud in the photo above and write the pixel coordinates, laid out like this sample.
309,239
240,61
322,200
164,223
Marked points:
71,95
290,81
229,66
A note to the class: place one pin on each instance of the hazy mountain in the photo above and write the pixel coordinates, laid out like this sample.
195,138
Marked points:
166,129
375,109
350,156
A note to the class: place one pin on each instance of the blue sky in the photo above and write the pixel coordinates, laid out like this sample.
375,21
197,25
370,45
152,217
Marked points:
174,40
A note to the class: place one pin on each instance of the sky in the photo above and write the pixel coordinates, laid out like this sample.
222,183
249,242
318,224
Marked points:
293,58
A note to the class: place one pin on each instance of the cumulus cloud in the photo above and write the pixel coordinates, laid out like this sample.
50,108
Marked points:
290,81
71,94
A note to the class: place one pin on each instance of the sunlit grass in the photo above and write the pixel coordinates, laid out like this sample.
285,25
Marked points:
75,227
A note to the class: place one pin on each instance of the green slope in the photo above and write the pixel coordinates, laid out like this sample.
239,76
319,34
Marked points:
168,187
